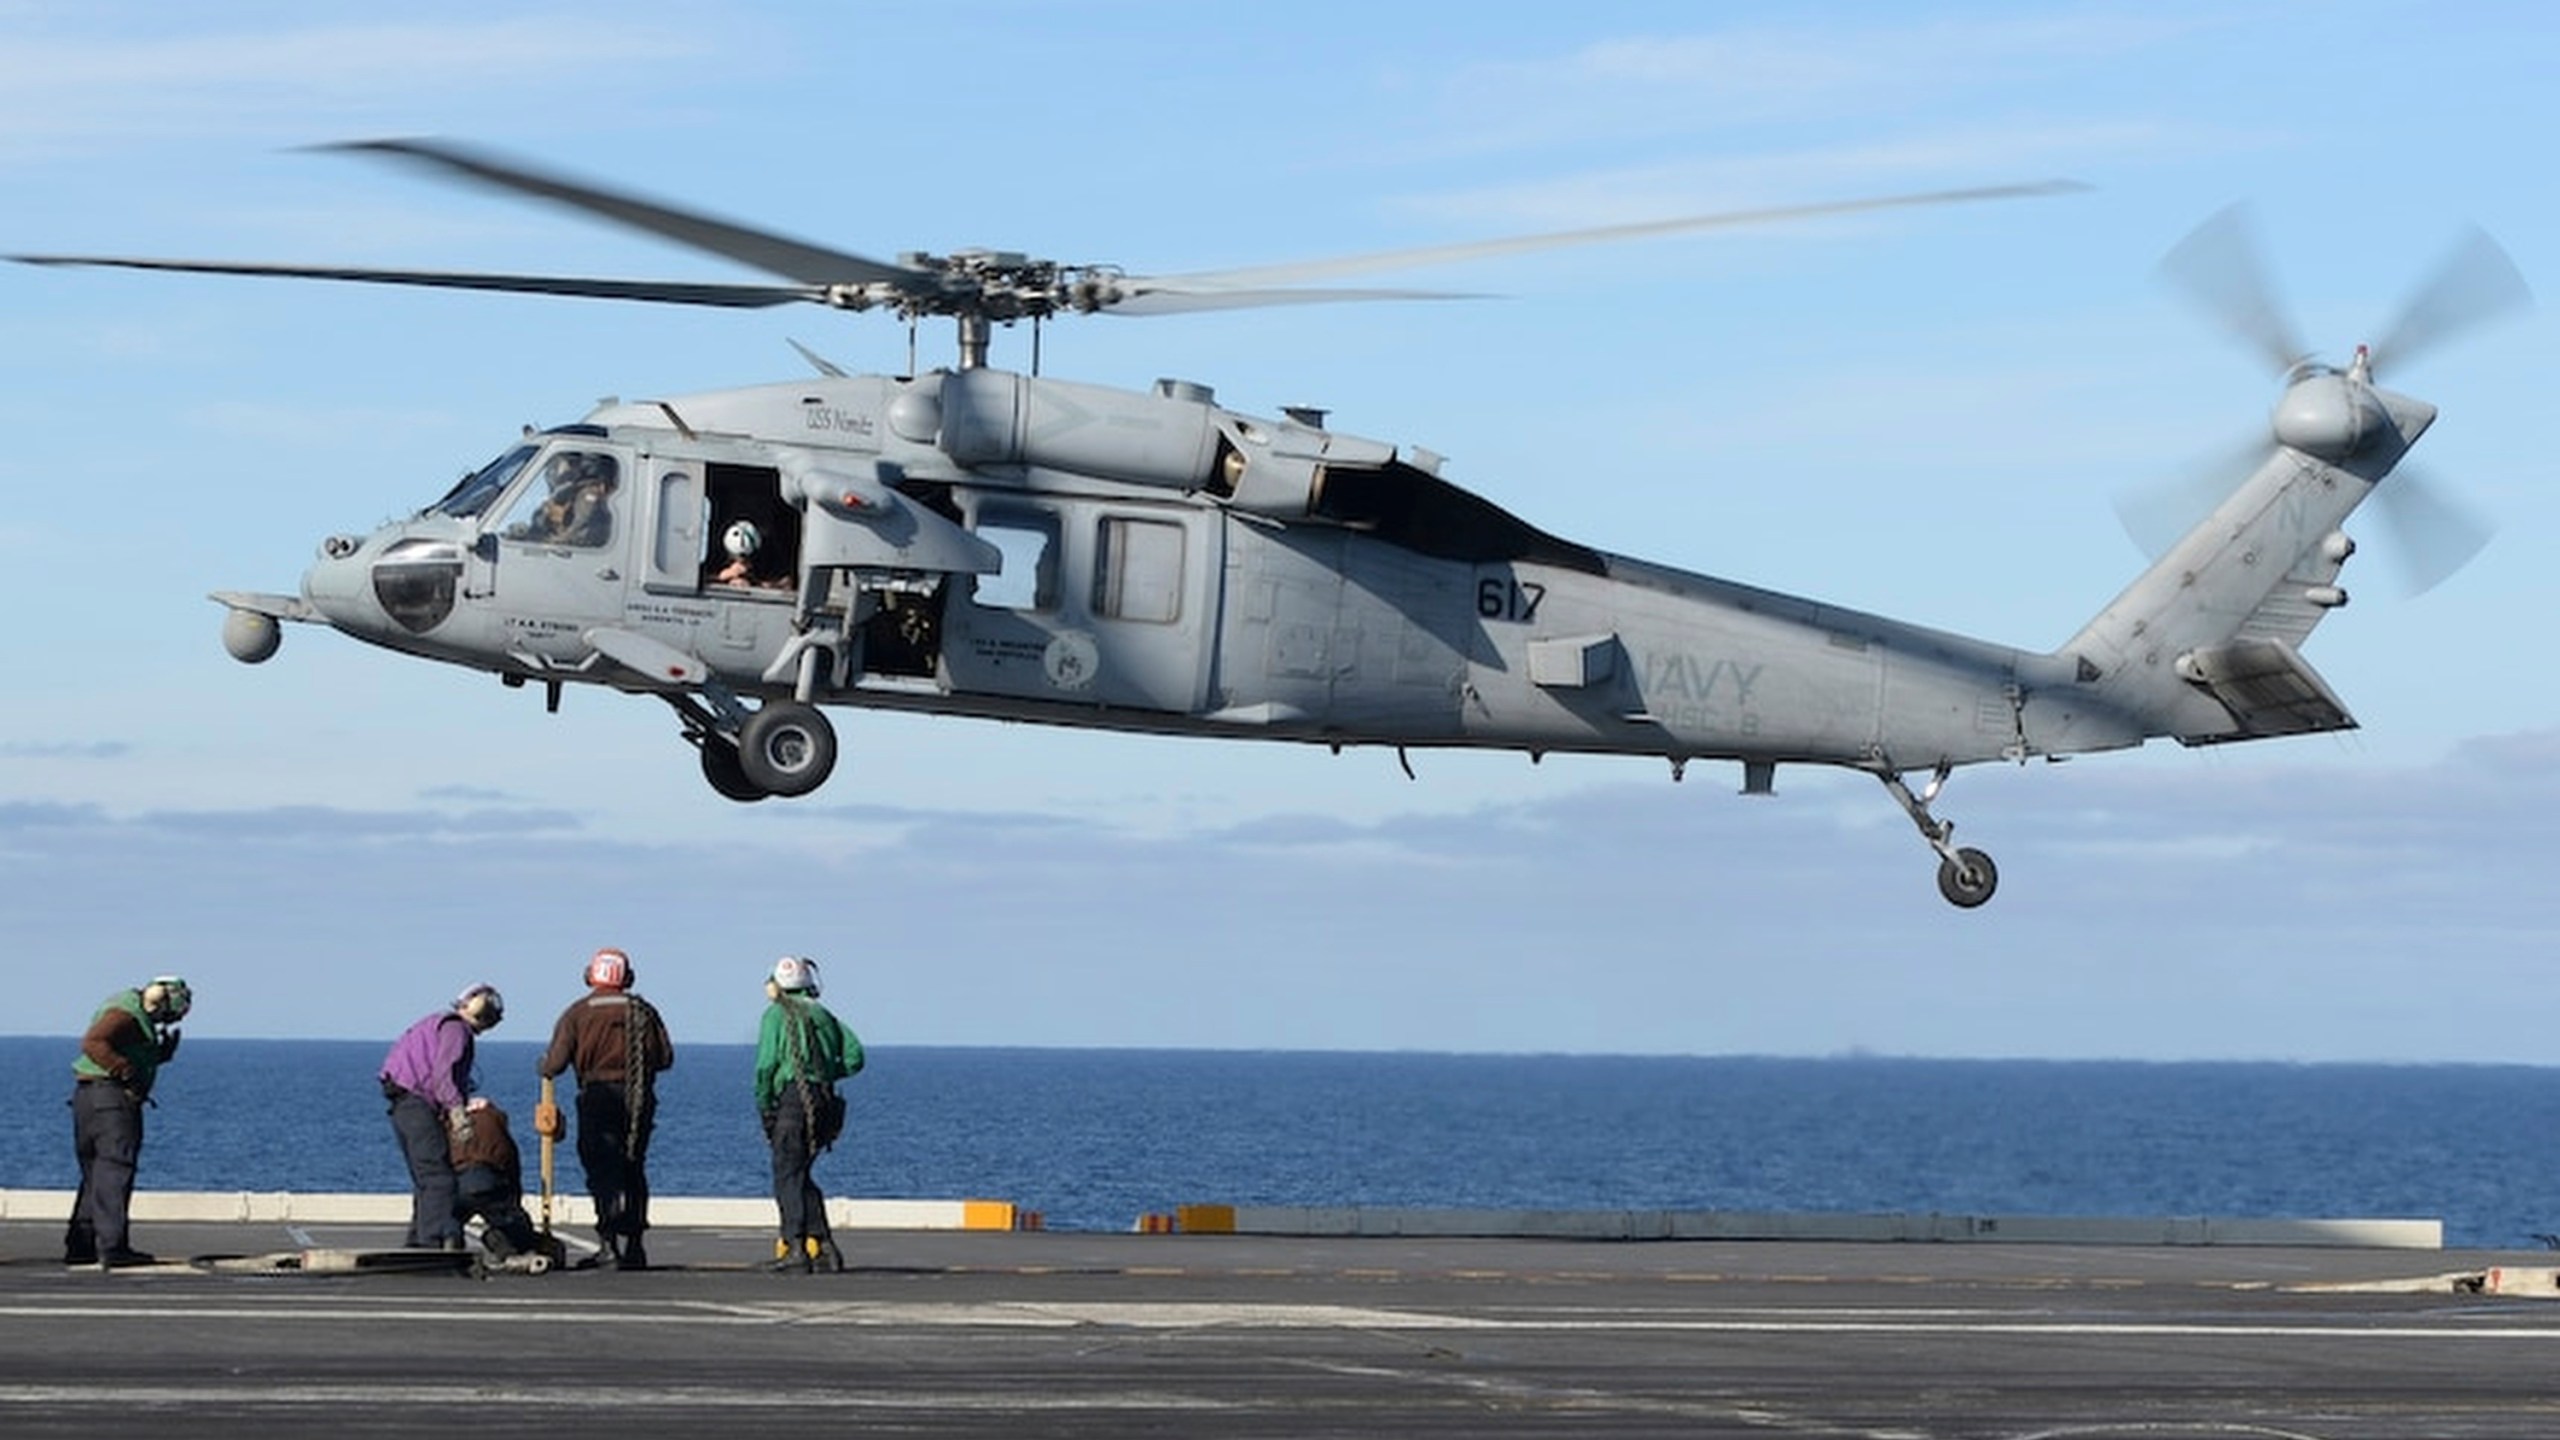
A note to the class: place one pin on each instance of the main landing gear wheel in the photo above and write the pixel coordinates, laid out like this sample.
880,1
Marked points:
786,748
727,772
1967,877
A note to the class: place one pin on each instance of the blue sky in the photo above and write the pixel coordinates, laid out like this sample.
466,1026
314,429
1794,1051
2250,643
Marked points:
1927,414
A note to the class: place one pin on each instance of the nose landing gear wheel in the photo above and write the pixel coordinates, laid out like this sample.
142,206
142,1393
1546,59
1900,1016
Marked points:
1967,877
786,748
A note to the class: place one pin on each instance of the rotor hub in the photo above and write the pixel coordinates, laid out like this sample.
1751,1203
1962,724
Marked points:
2330,414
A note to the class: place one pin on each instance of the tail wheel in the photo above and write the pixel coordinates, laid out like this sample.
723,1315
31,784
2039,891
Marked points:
1967,878
727,771
787,748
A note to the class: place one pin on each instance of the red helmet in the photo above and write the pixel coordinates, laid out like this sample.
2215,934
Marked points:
609,970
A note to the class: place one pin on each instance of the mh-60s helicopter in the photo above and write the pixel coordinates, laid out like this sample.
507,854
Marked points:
978,542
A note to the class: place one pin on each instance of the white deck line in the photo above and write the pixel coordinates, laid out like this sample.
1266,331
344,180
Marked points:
725,1213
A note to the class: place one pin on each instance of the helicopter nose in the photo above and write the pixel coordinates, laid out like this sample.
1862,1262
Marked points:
335,585
390,585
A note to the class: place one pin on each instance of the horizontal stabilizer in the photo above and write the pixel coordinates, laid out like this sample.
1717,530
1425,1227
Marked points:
2266,687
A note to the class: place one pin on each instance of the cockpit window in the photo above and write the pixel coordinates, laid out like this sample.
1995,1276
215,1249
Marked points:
475,490
571,504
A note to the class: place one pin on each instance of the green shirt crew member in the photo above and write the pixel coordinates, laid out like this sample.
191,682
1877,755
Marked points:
133,1034
802,1050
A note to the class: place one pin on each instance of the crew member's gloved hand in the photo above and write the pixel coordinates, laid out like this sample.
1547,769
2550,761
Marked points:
458,1121
548,1122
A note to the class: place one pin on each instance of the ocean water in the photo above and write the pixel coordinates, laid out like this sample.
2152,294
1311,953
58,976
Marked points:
1095,1138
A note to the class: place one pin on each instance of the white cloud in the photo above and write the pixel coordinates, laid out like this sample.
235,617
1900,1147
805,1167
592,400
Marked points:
1703,86
115,78
2157,910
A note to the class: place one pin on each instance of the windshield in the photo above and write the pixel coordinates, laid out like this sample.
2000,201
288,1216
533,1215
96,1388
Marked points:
473,494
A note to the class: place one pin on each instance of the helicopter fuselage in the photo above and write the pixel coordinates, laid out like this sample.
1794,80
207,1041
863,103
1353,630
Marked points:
987,544
1254,578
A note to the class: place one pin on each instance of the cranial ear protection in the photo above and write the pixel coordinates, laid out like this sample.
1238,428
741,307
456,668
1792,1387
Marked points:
172,1002
481,1006
610,969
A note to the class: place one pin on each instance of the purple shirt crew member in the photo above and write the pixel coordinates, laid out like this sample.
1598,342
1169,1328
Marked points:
427,1080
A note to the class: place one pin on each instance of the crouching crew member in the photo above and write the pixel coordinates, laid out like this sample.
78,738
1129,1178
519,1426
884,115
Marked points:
133,1034
801,1052
617,1044
488,1177
428,1079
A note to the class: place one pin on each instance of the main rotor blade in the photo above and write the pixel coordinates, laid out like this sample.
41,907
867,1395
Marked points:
2219,266
1269,276
672,292
1144,299
2474,284
774,254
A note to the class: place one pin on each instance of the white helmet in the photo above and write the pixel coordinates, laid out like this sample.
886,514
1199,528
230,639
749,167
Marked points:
481,1007
796,974
741,539
175,999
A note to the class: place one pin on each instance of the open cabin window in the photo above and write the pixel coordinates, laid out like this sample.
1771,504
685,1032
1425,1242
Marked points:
1028,540
1137,570
751,535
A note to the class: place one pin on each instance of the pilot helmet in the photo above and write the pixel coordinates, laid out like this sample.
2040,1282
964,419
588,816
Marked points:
741,539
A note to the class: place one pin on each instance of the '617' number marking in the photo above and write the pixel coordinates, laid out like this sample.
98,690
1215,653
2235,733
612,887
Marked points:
1513,600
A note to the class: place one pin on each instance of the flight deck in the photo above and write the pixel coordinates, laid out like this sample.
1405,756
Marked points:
961,1332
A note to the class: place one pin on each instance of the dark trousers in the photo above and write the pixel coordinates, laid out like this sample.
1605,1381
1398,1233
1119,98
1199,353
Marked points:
499,1203
419,1127
106,1135
615,1154
795,1192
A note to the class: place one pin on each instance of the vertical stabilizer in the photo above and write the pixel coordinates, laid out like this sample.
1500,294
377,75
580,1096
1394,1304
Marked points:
2204,645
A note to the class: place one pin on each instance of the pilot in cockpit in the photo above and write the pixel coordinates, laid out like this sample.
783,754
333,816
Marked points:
577,509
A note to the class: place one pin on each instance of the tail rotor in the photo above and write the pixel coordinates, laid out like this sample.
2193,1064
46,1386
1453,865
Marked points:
2475,284
2325,410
